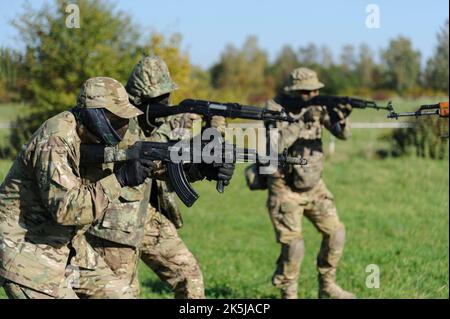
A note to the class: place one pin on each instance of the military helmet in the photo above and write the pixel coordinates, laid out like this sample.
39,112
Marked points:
107,93
150,78
303,79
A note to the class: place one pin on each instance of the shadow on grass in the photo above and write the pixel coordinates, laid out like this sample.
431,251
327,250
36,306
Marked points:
157,286
214,292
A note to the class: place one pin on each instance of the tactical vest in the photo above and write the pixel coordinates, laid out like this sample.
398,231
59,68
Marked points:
308,145
124,219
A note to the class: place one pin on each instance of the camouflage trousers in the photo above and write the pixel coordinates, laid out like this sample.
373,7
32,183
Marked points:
286,209
167,255
80,283
122,260
163,251
16,291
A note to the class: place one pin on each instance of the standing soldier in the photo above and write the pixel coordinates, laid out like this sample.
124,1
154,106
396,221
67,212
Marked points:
300,190
134,228
45,208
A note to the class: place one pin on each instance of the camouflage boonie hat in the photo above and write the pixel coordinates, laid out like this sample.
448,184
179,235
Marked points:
103,92
303,79
150,78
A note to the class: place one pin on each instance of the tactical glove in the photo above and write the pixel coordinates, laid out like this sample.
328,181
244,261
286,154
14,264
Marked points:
218,172
342,111
134,172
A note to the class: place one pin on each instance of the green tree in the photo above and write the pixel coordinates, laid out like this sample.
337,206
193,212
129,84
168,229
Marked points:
284,63
309,55
401,65
437,70
59,59
326,56
365,67
169,49
348,58
11,74
241,74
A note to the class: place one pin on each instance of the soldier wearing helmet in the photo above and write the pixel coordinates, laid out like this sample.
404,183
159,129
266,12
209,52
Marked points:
46,207
298,191
162,249
135,229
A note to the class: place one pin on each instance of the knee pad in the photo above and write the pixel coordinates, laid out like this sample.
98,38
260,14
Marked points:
296,249
337,238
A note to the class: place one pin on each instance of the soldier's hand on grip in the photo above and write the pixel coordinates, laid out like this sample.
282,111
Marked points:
134,172
343,111
218,172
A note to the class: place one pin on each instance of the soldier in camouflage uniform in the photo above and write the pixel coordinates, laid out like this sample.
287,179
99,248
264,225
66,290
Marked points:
45,208
300,190
135,228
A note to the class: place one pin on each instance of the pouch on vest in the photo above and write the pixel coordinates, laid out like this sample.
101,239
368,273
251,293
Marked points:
255,180
305,177
123,214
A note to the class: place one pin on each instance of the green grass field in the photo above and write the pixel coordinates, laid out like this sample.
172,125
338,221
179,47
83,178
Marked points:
395,211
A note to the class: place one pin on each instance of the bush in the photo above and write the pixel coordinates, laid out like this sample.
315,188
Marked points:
428,138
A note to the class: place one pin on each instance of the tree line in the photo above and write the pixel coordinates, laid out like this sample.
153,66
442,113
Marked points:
57,60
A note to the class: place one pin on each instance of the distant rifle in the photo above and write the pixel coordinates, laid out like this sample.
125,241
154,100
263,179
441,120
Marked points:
332,101
187,152
440,109
208,109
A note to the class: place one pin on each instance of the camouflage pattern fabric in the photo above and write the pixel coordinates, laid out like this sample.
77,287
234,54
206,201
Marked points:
117,237
150,78
220,123
80,283
102,92
162,249
124,219
304,138
299,191
125,232
303,79
45,208
286,209
167,255
116,278
16,291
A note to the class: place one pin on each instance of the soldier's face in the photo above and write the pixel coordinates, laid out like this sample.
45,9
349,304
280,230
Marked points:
149,124
118,123
305,95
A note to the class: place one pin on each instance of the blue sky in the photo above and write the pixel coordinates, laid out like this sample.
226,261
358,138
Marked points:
207,26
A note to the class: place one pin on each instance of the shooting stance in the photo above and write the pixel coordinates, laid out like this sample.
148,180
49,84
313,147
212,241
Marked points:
142,223
46,206
300,190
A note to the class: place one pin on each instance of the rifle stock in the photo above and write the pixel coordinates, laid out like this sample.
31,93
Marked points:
440,109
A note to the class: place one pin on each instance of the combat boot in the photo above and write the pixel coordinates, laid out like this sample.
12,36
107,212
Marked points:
329,289
289,292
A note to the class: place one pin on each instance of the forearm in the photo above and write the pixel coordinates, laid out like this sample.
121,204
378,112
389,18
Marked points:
341,129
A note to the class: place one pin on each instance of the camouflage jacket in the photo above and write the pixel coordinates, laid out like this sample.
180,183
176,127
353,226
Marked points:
45,208
124,219
304,138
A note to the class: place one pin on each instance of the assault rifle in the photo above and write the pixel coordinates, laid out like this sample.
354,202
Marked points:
440,109
332,101
208,109
175,154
